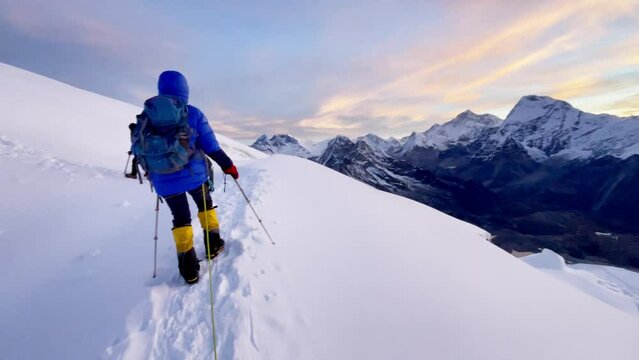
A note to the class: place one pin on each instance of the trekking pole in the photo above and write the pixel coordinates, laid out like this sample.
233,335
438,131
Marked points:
126,167
139,174
155,238
254,212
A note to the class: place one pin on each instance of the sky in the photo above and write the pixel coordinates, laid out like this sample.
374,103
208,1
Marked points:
315,69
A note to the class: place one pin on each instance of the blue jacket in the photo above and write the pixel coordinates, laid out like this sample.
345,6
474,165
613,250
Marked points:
203,139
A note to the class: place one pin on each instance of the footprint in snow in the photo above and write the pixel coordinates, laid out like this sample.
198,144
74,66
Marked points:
246,291
268,297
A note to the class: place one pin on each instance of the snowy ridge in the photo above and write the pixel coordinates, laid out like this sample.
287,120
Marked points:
48,119
332,287
66,122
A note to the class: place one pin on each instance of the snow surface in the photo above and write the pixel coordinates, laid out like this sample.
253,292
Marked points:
356,273
615,286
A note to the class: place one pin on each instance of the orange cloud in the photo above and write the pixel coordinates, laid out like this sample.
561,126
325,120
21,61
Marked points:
467,92
627,106
514,57
575,88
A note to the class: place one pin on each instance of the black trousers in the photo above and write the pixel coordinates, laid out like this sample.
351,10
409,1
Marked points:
179,205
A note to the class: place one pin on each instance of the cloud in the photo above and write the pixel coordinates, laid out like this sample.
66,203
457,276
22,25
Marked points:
114,29
339,123
627,106
557,45
479,70
337,67
61,24
241,127
592,85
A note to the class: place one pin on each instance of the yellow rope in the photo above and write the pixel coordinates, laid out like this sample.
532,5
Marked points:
208,261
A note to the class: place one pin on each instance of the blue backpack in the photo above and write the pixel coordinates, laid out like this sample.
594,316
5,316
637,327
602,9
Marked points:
161,137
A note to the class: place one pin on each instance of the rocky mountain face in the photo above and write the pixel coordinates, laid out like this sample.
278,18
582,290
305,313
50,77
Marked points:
549,175
374,166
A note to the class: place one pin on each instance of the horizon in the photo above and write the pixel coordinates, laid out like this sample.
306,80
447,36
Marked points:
336,68
401,138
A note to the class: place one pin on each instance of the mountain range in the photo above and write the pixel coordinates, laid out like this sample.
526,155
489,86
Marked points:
547,176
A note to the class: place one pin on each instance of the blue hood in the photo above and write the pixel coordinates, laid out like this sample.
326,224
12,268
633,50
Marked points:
174,84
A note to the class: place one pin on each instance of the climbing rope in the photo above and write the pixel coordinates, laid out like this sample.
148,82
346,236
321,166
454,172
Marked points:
208,256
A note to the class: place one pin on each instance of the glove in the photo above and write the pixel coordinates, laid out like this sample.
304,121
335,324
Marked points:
233,172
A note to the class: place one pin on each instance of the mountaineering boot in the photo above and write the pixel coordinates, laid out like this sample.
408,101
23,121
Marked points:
188,263
217,244
211,227
189,266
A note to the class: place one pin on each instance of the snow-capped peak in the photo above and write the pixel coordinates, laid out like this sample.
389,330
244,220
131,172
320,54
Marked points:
376,143
289,145
461,130
283,139
472,120
339,140
531,107
558,129
281,144
262,139
372,138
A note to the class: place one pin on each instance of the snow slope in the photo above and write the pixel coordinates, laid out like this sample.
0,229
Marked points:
70,123
356,273
614,286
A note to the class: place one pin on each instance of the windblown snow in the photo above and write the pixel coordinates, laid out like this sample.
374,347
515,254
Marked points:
356,273
614,286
